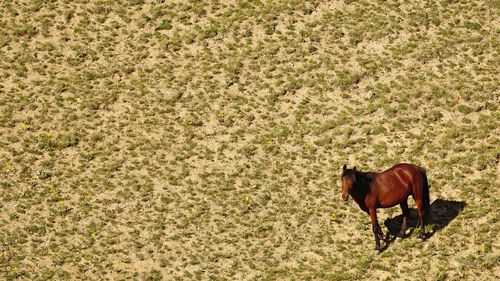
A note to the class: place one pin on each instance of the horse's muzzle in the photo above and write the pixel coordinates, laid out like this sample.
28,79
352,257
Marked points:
345,197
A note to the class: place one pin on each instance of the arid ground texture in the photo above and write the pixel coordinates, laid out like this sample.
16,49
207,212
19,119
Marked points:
204,140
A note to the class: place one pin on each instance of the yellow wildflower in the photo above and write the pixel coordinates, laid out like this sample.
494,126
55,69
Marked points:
7,166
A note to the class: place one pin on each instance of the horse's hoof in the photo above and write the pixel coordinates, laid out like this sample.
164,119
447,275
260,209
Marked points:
399,239
377,252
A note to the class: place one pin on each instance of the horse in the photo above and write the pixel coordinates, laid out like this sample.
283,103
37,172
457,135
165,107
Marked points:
386,189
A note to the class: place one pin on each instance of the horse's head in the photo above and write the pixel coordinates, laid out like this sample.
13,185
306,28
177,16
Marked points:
348,181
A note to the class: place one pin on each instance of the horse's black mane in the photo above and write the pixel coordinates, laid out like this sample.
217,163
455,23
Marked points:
363,179
362,187
369,176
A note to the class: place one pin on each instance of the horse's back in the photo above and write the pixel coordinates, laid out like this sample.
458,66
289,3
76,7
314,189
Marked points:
406,167
397,183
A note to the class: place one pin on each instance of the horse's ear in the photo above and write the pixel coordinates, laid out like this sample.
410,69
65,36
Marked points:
344,168
354,168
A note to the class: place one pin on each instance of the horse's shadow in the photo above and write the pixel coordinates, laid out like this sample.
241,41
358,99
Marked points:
442,213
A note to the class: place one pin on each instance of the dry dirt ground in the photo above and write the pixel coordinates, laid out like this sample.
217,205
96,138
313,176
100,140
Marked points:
179,140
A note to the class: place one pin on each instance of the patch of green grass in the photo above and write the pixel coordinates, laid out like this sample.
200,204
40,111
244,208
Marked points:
207,139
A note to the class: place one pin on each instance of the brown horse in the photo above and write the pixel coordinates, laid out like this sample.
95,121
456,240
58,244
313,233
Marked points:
387,189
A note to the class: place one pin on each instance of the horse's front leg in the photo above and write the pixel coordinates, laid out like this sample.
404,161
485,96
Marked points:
376,229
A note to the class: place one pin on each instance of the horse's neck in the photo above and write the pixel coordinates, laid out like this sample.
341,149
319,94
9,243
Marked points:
359,198
362,189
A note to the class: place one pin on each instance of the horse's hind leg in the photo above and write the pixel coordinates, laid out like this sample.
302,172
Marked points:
420,209
406,213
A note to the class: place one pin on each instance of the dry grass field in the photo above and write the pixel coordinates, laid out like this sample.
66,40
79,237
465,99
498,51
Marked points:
204,140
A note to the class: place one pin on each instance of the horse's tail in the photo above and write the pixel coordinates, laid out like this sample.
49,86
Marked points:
425,195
